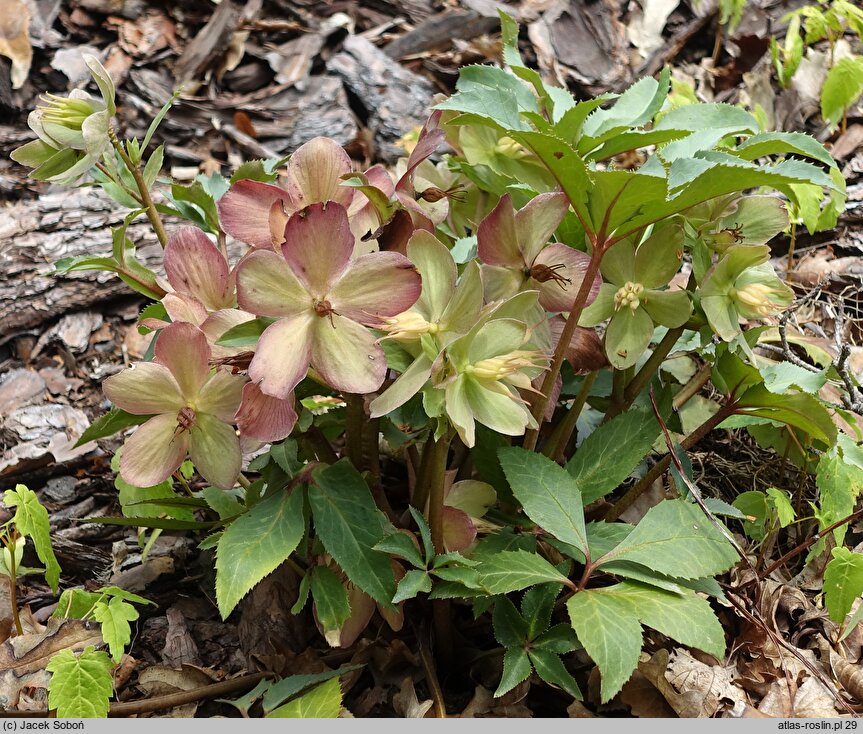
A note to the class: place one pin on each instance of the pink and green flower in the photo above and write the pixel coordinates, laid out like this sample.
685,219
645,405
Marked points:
193,409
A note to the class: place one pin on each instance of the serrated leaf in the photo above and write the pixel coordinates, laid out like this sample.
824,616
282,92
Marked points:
843,582
782,506
255,544
549,496
509,571
399,544
510,628
839,486
322,702
76,604
331,598
677,539
246,334
114,618
551,669
611,634
842,87
114,421
31,519
516,668
611,453
288,687
559,639
781,376
285,455
782,143
349,524
81,685
412,583
537,605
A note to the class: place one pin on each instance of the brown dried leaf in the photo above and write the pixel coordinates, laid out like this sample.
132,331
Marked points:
15,40
407,705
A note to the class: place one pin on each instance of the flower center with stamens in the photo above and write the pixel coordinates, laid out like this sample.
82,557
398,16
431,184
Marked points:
185,419
628,295
544,273
323,308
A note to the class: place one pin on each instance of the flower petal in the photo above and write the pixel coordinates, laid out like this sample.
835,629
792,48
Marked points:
497,239
554,295
245,211
668,308
183,349
154,451
266,286
459,412
536,222
658,258
315,171
216,324
282,356
318,246
438,270
215,450
145,389
375,286
585,352
496,408
183,308
220,396
264,417
459,532
500,282
195,266
627,336
347,355
430,137
496,337
408,384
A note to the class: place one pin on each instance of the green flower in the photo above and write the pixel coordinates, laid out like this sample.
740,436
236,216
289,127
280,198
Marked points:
632,295
742,285
72,131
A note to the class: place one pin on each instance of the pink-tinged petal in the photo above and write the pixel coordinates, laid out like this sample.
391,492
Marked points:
315,171
459,532
154,451
267,286
215,451
585,352
430,137
346,355
220,395
245,210
215,326
282,356
496,237
264,417
318,246
279,216
558,273
145,389
195,267
362,609
377,176
183,308
183,349
536,222
375,286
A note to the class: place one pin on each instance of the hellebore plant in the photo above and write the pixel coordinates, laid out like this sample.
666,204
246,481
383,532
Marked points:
402,362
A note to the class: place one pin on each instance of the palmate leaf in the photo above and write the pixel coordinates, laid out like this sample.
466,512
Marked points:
610,454
255,544
81,685
608,624
31,519
843,582
350,525
114,618
548,494
675,538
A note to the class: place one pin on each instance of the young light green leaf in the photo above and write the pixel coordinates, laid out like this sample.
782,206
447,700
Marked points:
839,486
843,582
509,571
255,544
782,507
31,519
81,685
610,454
516,668
549,495
114,618
842,87
331,598
675,538
349,525
288,687
322,702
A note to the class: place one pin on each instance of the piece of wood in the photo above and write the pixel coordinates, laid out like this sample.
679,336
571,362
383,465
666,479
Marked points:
440,30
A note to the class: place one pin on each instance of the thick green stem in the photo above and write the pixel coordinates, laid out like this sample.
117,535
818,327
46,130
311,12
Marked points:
541,404
693,387
661,466
354,425
146,199
560,437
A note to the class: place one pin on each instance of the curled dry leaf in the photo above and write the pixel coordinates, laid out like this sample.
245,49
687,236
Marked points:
15,40
407,705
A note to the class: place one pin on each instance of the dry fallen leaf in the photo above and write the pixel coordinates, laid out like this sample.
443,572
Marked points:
407,705
14,39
